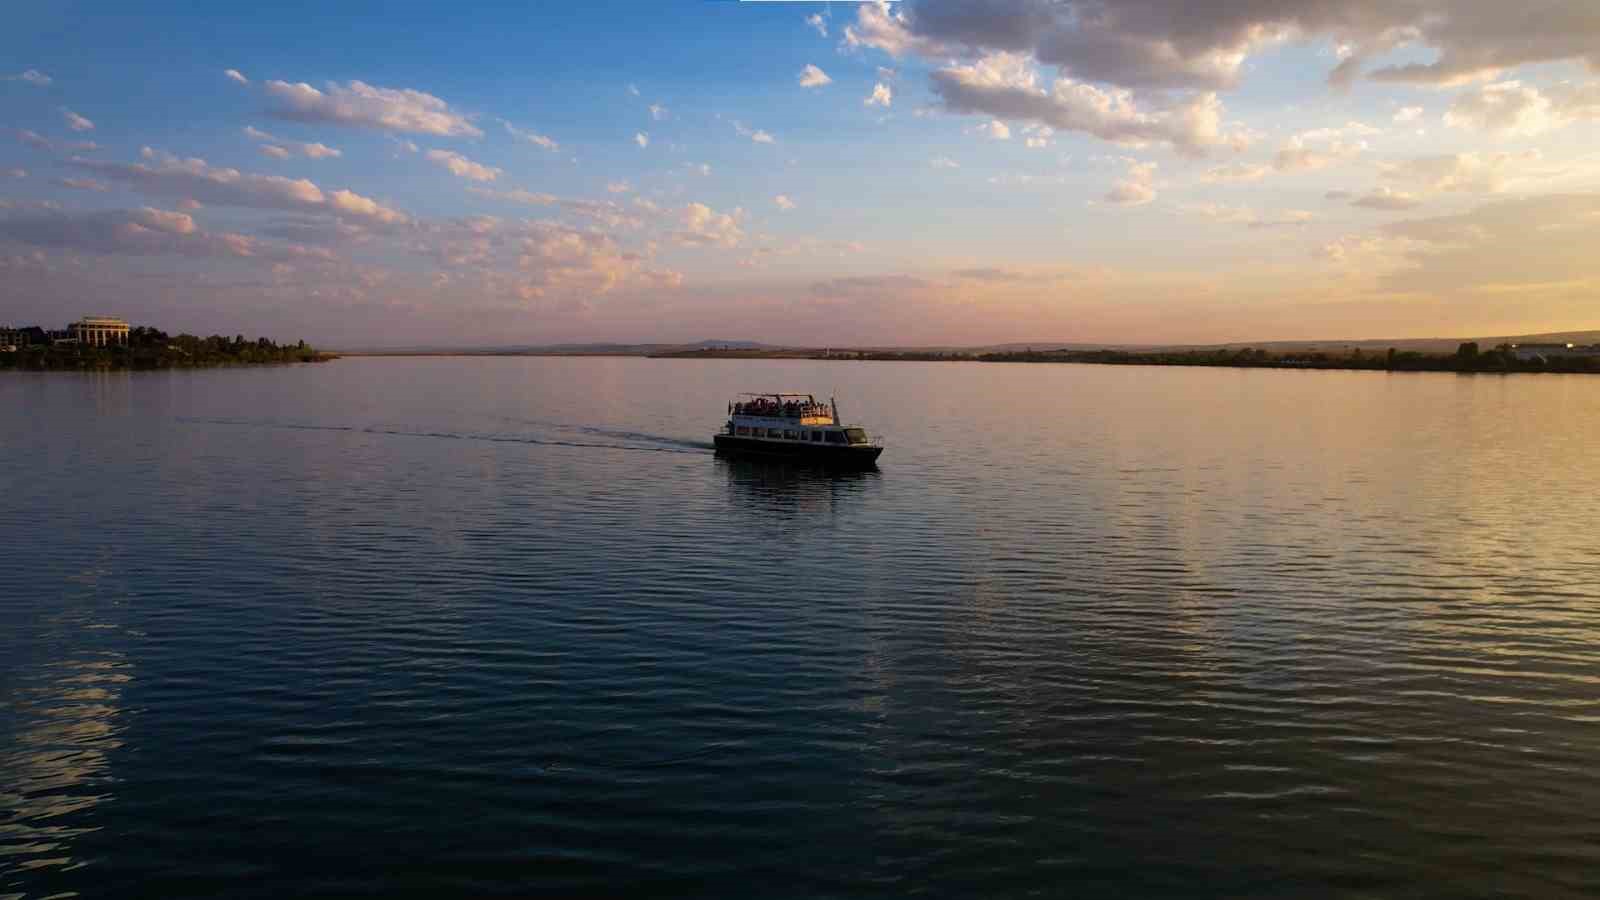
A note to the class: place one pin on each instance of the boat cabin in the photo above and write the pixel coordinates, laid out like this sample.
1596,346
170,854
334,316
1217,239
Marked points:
792,419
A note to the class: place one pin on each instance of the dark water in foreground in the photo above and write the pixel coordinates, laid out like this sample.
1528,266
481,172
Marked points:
450,627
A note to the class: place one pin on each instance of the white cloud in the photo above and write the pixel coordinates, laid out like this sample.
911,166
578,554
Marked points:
529,137
518,196
996,130
75,121
1005,87
1136,187
618,187
633,89
236,76
658,112
1236,172
145,232
760,137
165,175
1513,109
811,77
16,173
462,167
83,184
40,142
642,139
819,22
281,148
319,151
1224,214
31,76
1408,114
1458,172
1388,200
358,104
783,202
944,162
881,95
702,226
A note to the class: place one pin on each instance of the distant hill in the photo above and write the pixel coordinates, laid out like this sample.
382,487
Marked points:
757,349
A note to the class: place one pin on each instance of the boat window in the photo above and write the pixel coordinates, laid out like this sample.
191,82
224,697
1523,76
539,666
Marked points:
856,435
774,432
816,436
790,434
744,429
835,437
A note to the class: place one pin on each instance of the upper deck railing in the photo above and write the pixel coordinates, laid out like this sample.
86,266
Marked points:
782,406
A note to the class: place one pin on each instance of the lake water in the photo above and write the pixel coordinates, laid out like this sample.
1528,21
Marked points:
450,627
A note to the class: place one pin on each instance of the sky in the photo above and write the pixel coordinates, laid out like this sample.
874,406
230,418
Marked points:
927,172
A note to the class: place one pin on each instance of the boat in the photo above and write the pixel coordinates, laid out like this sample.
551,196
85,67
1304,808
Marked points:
795,426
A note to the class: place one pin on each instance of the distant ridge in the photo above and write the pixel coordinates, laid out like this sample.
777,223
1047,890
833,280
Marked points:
1421,345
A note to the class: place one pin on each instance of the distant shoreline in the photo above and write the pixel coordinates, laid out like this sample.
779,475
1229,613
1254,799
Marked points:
1467,359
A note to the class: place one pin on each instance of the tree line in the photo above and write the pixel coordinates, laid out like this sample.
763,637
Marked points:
152,348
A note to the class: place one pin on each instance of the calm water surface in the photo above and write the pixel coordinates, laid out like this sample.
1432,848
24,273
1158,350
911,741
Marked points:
447,627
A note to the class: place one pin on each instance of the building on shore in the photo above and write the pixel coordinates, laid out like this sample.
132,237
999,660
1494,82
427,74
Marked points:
1547,352
12,339
99,331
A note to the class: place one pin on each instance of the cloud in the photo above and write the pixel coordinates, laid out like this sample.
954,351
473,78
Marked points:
1387,200
618,187
783,202
165,175
1517,247
811,77
995,130
1005,87
1408,114
881,95
1236,172
1457,172
1513,109
1136,188
16,173
529,137
357,104
518,196
282,149
633,89
702,226
83,184
760,137
1166,44
462,167
819,22
1223,214
236,76
40,142
141,232
31,76
944,162
642,139
75,121
658,112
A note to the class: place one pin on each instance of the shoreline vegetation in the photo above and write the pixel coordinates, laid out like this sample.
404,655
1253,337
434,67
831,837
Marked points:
1469,357
151,348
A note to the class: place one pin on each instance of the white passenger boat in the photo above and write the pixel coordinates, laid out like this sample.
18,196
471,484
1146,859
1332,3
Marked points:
797,426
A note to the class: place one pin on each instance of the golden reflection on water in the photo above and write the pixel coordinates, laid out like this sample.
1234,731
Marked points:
57,762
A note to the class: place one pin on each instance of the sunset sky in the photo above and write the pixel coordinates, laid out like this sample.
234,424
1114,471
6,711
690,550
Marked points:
929,172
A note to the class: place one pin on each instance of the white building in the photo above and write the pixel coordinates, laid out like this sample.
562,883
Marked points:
99,331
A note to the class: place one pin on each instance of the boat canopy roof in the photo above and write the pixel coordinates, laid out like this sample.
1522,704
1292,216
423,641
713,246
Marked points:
778,395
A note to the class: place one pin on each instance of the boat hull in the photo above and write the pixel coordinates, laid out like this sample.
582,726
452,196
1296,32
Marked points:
842,455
